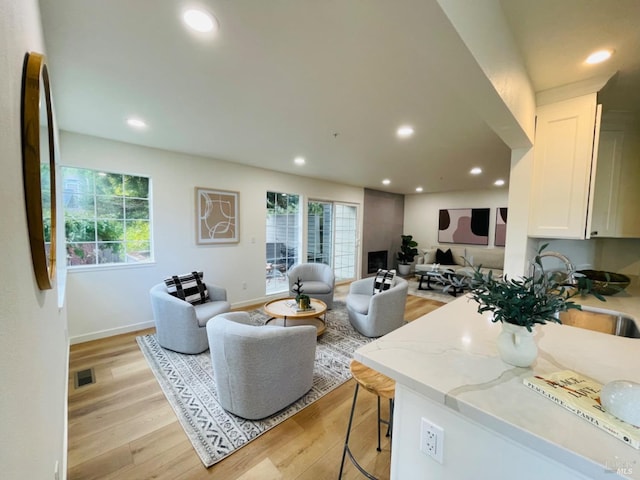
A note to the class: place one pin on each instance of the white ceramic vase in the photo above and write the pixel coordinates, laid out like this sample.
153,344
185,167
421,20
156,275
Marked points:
517,346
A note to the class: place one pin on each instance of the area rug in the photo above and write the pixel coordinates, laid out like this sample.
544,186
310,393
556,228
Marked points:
187,382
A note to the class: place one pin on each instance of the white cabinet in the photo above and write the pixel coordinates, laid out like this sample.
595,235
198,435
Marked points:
616,205
563,160
604,222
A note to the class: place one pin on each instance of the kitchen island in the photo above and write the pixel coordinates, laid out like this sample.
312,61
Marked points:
448,371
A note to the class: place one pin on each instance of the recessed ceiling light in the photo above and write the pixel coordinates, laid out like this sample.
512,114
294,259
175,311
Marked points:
299,160
475,171
405,131
418,189
599,56
499,183
199,20
136,122
386,181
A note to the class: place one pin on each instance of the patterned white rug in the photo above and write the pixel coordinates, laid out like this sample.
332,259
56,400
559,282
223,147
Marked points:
187,382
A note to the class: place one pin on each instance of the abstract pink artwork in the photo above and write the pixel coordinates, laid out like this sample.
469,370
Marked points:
464,225
501,227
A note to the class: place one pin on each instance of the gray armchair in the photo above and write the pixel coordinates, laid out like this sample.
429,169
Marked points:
317,278
180,326
376,315
259,370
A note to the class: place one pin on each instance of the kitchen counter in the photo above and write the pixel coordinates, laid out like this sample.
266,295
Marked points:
446,363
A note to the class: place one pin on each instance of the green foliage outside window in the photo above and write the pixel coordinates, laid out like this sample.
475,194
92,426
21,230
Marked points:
107,217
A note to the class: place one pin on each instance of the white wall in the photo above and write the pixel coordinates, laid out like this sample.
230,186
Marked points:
112,300
621,255
33,339
519,247
482,26
421,211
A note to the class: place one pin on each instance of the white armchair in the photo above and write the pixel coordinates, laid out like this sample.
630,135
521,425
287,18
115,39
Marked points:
259,370
376,315
180,326
318,281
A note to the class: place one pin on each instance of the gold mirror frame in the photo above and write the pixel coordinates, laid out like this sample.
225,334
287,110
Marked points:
35,85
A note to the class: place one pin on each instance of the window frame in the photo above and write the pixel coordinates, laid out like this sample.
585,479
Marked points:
96,242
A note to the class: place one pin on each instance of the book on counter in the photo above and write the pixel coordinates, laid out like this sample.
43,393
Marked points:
581,395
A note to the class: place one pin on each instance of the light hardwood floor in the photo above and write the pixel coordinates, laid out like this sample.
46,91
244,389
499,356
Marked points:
123,428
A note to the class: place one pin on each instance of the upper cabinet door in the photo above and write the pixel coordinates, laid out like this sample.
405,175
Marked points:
563,159
606,193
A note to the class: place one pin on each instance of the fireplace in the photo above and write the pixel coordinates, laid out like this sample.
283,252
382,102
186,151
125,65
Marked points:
376,260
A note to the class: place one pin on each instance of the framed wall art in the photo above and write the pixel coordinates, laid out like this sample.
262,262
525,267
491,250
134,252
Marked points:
464,225
217,218
501,227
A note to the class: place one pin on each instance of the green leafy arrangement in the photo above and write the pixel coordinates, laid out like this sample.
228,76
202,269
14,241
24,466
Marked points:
528,300
408,250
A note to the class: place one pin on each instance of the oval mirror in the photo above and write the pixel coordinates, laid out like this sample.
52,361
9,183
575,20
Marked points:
38,163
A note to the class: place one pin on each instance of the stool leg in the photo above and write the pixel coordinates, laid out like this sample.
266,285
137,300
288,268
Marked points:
390,424
379,449
346,449
346,441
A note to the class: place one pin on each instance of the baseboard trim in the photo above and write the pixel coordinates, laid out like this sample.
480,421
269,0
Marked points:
111,332
256,301
87,337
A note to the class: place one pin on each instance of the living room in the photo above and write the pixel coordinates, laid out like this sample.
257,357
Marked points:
37,328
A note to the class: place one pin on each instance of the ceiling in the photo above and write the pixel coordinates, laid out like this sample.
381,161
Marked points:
330,81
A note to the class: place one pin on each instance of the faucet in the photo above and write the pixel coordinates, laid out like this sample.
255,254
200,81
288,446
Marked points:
570,279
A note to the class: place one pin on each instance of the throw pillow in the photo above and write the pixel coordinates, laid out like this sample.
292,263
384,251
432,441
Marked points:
383,280
444,258
429,256
188,287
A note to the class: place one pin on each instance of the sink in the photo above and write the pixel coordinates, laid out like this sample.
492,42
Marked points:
604,321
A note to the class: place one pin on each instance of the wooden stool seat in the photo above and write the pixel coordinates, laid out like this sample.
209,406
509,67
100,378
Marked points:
382,387
373,381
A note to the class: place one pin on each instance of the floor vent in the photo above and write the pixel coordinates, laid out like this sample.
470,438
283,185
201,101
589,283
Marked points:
84,377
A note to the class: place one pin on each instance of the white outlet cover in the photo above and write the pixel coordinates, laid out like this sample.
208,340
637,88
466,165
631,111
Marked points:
432,440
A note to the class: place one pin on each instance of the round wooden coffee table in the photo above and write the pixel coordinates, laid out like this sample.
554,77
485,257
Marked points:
284,312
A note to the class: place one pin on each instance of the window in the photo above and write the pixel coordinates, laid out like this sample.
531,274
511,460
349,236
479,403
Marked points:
107,217
283,239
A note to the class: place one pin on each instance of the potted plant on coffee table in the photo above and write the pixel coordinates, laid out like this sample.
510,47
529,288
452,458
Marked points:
303,300
522,304
407,254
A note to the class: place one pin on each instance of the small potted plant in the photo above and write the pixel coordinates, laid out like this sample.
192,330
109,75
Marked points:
407,254
303,300
521,304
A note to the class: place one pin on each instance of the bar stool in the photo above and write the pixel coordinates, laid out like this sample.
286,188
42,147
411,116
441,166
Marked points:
381,386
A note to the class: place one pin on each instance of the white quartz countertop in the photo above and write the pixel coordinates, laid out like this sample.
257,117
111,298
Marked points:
450,356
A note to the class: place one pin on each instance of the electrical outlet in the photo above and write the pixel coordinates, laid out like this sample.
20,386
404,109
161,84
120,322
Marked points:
244,285
432,440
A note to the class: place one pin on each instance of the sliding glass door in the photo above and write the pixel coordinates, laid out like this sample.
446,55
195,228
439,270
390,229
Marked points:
283,239
332,231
